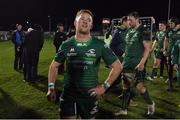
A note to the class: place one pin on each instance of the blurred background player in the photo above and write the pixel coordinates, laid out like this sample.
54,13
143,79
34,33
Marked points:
136,53
172,36
176,59
59,37
160,59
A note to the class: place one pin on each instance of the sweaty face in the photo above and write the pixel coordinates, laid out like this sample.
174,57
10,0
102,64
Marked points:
83,23
132,21
161,27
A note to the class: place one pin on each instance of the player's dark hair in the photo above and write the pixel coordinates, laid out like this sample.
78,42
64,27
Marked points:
163,22
175,20
124,18
134,14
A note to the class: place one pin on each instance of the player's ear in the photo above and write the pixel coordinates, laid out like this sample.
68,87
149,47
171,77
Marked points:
75,22
91,26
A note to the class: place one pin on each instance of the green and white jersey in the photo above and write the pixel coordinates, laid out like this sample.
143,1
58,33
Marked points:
175,55
82,62
173,36
160,36
134,49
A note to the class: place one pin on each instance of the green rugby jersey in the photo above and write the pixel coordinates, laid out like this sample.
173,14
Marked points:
160,36
82,61
173,36
134,49
122,33
175,55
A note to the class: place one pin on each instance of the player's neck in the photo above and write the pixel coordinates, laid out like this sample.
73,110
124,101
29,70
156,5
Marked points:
82,37
137,25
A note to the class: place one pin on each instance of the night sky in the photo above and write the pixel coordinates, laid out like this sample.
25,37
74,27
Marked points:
37,11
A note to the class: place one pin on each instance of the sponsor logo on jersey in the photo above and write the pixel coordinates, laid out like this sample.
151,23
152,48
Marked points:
81,44
91,53
72,52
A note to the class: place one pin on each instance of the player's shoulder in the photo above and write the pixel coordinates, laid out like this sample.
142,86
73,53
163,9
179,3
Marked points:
97,41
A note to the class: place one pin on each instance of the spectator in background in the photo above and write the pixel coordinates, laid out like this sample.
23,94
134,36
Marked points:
59,37
71,32
17,39
32,46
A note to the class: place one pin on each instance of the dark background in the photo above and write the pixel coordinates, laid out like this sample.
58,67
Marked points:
37,11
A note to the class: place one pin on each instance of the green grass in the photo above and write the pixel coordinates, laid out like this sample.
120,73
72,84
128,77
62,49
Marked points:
21,100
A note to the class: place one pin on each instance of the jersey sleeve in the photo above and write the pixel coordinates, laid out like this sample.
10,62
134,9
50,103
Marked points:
60,55
108,55
116,40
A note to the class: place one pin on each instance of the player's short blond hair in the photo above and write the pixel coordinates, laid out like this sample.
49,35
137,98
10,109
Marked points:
84,11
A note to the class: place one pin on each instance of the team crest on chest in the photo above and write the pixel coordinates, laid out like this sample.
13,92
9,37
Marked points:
91,53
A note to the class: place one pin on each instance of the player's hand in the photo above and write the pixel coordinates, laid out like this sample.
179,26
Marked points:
51,95
165,53
97,91
175,66
140,67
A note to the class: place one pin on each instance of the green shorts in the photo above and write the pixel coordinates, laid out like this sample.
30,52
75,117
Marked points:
86,108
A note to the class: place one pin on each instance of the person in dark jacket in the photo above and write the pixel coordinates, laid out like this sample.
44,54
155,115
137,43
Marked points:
17,39
59,37
32,46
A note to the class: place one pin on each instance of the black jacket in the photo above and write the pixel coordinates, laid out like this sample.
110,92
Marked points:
59,38
34,41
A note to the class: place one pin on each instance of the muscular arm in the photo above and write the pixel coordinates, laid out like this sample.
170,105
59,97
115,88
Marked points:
165,44
116,69
53,69
140,66
147,45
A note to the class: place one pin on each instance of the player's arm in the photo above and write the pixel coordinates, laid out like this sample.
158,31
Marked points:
116,69
52,75
154,45
165,45
147,45
53,69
